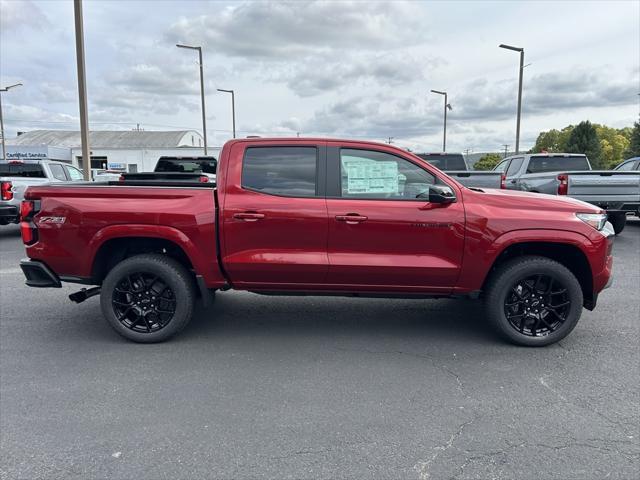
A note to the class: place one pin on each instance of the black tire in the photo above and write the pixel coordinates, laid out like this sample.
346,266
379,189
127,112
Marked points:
132,299
510,285
618,221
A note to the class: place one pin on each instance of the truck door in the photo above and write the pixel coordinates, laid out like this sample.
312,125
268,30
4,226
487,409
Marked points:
512,173
274,216
382,234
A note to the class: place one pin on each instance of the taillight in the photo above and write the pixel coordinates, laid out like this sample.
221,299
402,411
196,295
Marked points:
503,181
28,229
121,178
204,179
563,185
6,190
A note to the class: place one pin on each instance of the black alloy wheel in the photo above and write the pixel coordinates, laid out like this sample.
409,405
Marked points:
537,305
143,302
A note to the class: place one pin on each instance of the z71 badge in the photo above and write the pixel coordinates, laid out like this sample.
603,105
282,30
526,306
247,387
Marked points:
56,220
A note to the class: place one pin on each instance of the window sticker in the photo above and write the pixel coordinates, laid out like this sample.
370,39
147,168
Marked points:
368,176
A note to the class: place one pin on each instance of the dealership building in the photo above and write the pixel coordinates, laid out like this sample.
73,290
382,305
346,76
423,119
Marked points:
126,151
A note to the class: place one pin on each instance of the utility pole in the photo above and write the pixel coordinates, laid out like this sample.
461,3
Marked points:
204,116
233,108
82,90
4,145
506,150
521,50
390,141
468,151
447,106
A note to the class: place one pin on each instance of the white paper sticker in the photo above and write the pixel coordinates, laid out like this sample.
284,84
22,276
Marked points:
368,176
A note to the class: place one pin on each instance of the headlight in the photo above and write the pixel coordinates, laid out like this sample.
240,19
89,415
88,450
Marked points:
596,220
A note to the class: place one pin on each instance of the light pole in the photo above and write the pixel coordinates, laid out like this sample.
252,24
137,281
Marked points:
233,108
521,50
82,90
447,105
204,117
4,146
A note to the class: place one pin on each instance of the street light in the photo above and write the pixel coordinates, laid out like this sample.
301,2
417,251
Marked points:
204,117
447,106
82,90
233,108
4,147
521,50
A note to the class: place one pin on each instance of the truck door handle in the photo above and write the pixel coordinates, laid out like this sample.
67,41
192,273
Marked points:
351,218
512,181
249,216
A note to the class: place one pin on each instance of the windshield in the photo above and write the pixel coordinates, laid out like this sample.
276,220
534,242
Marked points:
187,165
557,164
445,161
17,169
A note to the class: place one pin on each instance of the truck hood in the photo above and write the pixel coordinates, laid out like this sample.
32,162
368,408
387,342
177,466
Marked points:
534,201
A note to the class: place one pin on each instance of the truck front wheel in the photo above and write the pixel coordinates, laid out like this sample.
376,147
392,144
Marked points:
533,301
618,221
148,298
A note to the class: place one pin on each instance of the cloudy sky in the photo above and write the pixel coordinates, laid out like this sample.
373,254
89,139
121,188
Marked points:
357,69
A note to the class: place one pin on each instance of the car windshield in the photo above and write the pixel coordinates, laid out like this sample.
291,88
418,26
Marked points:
558,163
445,161
19,169
187,165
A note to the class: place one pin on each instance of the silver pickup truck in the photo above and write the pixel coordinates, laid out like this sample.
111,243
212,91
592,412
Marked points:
454,165
17,175
616,191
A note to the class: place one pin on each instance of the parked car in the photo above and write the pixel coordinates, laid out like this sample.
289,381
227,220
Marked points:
17,175
205,165
630,164
317,217
455,166
616,191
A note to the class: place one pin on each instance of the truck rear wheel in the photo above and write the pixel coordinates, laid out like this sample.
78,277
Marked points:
618,221
533,301
148,298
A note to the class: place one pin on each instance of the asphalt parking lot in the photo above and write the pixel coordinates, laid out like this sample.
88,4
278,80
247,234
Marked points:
295,387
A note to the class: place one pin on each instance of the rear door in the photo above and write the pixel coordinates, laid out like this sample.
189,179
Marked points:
274,215
382,236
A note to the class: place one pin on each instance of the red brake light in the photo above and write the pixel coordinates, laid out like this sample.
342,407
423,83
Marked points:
28,229
6,190
204,179
503,181
563,185
121,178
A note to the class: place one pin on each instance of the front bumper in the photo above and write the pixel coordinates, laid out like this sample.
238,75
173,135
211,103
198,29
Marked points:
39,275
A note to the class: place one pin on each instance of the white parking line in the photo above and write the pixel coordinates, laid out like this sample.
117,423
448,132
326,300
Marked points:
10,271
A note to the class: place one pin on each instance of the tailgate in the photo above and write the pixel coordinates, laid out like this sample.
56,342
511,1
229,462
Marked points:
20,184
605,185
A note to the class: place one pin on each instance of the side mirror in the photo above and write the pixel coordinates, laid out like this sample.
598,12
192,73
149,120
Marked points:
441,194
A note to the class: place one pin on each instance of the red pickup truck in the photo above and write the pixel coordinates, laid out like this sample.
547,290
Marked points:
317,217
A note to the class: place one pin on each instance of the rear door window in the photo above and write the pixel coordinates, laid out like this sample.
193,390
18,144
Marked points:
284,171
58,172
18,169
539,164
501,167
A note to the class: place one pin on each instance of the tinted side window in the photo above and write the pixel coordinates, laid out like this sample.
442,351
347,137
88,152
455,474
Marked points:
287,171
58,172
514,166
556,164
381,176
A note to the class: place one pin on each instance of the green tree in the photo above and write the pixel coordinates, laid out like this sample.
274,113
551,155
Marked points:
487,161
613,144
584,139
553,140
634,142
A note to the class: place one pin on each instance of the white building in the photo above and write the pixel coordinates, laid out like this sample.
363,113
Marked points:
130,151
